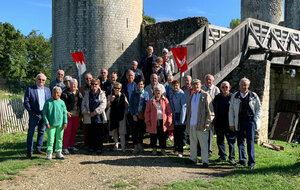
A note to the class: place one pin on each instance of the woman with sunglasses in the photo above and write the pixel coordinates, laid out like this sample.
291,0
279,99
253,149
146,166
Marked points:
93,110
118,105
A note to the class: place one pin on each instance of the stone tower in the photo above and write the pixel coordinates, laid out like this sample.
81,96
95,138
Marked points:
292,14
109,30
266,10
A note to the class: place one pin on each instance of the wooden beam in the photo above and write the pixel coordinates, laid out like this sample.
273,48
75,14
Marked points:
266,37
277,41
255,38
294,41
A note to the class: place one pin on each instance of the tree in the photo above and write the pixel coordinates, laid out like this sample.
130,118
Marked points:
38,55
234,23
148,19
13,54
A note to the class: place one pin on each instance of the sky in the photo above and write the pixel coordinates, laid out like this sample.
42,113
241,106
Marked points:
28,15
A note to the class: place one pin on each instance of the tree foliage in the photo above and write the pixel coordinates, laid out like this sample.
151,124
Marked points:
234,23
23,57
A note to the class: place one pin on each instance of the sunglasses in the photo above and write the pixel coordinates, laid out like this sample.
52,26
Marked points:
88,78
94,84
117,88
224,87
155,66
103,72
41,79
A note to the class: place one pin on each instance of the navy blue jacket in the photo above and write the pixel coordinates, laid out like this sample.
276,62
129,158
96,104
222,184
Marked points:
31,99
143,63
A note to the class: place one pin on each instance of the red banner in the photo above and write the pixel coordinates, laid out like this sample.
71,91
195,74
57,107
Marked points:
79,61
180,56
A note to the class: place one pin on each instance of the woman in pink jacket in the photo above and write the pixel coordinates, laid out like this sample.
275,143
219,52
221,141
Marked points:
158,118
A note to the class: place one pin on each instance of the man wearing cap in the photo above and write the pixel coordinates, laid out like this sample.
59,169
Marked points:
200,115
168,63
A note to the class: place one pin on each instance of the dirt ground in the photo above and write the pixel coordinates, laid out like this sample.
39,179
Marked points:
111,170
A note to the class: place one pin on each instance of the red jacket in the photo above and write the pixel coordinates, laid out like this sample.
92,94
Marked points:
151,115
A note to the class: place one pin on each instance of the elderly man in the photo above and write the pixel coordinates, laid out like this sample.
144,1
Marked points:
200,115
221,123
187,88
58,80
34,99
153,82
212,90
147,60
137,72
244,116
105,84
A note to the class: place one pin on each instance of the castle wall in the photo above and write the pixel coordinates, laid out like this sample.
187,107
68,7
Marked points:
266,10
166,34
108,30
292,14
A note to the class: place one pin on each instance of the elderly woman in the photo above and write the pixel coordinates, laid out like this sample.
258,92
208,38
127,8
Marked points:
93,110
118,105
73,100
67,83
168,63
158,119
137,108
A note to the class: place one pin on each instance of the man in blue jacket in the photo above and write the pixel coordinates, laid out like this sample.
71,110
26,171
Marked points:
34,99
146,61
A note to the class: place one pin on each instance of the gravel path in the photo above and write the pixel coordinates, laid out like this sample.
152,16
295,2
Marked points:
110,171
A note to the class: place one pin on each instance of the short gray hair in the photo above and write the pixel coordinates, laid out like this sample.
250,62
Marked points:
225,82
73,81
67,77
188,77
155,87
209,75
246,80
56,88
40,74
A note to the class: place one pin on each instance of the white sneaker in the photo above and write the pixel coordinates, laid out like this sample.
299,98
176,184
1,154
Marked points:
163,152
135,150
140,146
59,155
180,154
49,156
65,151
116,146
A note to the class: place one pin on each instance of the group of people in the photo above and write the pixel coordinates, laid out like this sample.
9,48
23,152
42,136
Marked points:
147,99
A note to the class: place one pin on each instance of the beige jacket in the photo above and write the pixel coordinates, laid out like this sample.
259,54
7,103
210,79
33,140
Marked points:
99,110
205,112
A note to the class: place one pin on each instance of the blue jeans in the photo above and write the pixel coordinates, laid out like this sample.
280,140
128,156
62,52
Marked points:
247,126
230,137
35,121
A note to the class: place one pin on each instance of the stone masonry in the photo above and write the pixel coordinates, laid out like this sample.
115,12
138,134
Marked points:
292,14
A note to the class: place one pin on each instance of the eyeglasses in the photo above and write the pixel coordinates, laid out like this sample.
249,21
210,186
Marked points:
41,79
224,87
155,66
117,88
94,84
88,78
103,72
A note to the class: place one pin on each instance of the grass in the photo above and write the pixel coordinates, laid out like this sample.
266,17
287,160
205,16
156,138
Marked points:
273,170
5,94
119,185
12,155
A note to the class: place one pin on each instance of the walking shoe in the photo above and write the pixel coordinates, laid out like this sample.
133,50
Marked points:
231,161
40,152
163,152
191,162
65,151
180,154
154,151
251,167
29,155
49,156
140,146
74,149
220,159
204,165
116,146
59,155
239,164
136,149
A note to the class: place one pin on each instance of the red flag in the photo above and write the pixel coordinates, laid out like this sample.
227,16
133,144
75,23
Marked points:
180,56
79,61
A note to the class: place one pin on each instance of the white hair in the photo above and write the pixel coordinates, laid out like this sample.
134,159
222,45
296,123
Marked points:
40,74
225,82
73,81
247,81
67,77
188,77
208,76
56,88
157,87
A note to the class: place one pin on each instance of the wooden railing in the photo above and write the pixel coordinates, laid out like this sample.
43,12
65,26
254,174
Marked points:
222,50
13,116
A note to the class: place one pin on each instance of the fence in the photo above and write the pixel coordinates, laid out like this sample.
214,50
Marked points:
13,116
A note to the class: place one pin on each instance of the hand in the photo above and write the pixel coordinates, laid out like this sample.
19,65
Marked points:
135,118
89,113
206,126
112,98
48,126
65,126
231,128
69,114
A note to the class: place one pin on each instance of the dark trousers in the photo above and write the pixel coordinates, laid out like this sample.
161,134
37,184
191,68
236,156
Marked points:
95,136
247,126
138,131
160,135
230,137
179,137
129,126
35,121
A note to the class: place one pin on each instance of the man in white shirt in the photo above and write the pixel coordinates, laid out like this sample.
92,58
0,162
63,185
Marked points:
153,82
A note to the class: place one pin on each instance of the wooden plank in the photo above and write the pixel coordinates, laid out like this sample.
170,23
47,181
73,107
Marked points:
277,41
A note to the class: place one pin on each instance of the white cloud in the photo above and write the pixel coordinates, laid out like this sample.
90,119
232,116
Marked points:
194,11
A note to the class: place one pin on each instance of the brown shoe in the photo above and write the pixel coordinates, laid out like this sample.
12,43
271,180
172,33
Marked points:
29,155
40,152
